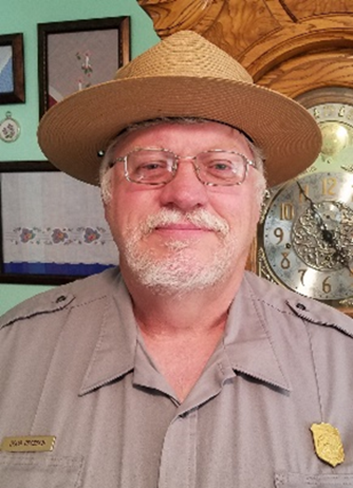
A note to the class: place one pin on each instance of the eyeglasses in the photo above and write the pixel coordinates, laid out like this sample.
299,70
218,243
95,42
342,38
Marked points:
216,167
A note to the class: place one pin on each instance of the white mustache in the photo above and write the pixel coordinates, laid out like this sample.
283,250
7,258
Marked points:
201,218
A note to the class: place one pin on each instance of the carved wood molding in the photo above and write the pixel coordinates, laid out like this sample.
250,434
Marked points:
311,71
261,34
320,36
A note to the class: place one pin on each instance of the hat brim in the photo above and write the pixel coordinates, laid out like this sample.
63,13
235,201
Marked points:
72,132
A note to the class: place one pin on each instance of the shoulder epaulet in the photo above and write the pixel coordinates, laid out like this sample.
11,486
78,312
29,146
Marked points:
277,297
47,302
320,314
59,298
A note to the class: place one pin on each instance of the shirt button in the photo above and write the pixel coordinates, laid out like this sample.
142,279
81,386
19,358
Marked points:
60,299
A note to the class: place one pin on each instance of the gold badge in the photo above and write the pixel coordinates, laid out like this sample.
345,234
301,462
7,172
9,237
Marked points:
328,444
30,443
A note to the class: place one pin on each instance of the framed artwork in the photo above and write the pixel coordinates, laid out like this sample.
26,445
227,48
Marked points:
12,86
78,54
52,227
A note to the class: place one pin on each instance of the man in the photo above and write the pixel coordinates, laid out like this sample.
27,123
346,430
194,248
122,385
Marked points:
179,369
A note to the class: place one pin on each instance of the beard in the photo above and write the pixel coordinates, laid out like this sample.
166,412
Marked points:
179,271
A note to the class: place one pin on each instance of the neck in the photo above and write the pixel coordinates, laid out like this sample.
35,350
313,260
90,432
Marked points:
181,314
182,332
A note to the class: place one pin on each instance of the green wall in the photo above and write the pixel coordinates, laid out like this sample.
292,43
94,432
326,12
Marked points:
23,16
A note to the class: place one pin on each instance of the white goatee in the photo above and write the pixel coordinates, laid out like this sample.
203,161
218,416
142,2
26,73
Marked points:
181,271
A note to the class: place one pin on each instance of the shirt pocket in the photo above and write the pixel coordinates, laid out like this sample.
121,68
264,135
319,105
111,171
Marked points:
39,470
300,480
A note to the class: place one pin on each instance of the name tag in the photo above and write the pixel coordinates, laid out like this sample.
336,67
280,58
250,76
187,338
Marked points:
31,443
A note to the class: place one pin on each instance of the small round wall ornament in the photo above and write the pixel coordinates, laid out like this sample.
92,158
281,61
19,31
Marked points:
9,128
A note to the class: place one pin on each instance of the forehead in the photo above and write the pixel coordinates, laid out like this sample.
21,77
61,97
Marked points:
184,138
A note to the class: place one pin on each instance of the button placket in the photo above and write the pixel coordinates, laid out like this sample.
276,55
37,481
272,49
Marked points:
178,459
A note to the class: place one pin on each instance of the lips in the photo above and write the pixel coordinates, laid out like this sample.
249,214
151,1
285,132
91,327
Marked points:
187,226
181,232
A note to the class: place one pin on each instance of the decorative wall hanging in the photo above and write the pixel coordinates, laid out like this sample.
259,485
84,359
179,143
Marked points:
78,54
52,227
9,128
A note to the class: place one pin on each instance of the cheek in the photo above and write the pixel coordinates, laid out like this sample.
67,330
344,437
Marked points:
236,205
112,216
119,196
115,212
129,206
243,219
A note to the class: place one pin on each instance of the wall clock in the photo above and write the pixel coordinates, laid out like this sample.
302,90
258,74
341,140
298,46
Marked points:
305,236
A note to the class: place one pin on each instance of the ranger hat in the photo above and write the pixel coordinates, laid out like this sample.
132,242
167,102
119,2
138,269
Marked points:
183,75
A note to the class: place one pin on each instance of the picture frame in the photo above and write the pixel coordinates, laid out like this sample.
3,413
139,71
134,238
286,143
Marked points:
73,55
42,240
12,83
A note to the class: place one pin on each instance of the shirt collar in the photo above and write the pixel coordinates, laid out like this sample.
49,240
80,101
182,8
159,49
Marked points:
114,352
248,343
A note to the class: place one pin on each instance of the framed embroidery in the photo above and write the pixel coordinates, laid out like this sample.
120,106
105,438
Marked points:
77,54
52,227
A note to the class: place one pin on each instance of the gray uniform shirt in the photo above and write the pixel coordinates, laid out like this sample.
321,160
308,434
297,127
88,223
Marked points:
73,365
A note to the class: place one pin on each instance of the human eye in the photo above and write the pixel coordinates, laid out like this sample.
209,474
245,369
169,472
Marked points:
148,165
220,165
223,166
151,166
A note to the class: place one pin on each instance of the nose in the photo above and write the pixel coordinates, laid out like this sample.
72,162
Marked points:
185,191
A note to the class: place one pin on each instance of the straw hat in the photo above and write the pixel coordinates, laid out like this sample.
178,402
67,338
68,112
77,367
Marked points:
183,75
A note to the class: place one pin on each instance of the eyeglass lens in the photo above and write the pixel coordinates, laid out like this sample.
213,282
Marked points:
217,167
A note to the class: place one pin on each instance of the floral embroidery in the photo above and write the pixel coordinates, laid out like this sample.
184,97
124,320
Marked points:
59,236
65,236
26,235
8,131
86,68
91,235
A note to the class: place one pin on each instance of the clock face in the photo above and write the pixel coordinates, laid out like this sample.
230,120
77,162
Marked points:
336,124
305,238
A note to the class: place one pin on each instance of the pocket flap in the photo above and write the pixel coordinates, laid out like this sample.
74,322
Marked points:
38,470
300,480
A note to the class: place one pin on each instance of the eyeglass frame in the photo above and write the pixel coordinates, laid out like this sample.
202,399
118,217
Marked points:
124,159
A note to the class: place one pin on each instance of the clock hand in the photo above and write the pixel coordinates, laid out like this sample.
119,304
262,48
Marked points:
341,253
326,233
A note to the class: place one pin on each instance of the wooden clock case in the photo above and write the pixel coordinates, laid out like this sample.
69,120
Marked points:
301,48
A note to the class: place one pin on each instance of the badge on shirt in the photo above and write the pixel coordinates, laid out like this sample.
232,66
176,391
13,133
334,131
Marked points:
328,444
30,443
